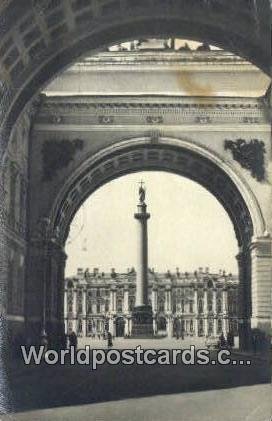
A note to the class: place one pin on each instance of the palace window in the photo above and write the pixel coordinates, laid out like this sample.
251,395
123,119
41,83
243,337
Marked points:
219,306
90,325
201,326
119,305
98,308
161,305
182,306
210,327
191,307
219,326
200,306
107,307
70,301
131,303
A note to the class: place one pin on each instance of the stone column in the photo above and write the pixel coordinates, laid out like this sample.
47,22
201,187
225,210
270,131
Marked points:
225,311
154,300
65,304
112,326
205,311
74,302
244,299
170,327
196,311
113,300
84,313
261,283
142,314
44,287
142,254
65,311
154,325
126,302
168,300
214,313
126,319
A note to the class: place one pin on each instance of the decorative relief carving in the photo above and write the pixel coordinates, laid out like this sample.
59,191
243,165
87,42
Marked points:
154,119
250,155
57,119
203,119
57,154
105,119
251,120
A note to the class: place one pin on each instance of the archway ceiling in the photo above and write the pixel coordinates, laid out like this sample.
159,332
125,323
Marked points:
40,38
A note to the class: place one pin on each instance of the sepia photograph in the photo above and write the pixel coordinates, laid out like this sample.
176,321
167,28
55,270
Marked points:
135,210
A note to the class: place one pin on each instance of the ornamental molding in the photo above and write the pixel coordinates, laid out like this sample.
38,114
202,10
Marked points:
57,154
250,155
154,113
145,104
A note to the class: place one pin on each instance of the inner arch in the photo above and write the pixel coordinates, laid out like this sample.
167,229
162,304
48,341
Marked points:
153,156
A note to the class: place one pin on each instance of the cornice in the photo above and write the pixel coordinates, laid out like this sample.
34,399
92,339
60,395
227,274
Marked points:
92,112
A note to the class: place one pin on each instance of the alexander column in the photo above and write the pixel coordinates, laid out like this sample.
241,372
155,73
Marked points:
142,323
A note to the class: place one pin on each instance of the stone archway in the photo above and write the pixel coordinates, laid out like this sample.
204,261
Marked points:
39,39
47,259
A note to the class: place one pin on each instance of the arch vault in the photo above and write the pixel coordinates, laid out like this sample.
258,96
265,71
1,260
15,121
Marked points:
47,257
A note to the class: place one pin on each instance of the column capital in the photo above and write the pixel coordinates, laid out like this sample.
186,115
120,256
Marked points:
261,246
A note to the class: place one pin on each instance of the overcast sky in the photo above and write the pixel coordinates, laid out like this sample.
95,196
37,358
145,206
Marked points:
188,228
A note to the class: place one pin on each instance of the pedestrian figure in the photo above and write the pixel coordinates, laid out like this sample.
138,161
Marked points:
230,339
254,343
73,340
44,343
110,344
222,341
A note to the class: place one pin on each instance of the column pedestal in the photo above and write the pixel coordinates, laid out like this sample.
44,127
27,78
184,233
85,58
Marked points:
142,321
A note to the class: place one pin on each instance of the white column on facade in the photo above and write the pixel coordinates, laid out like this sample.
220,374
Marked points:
196,311
126,319
84,312
126,301
169,327
65,306
214,304
154,300
168,300
113,300
205,310
112,326
214,326
214,301
154,325
74,302
129,325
